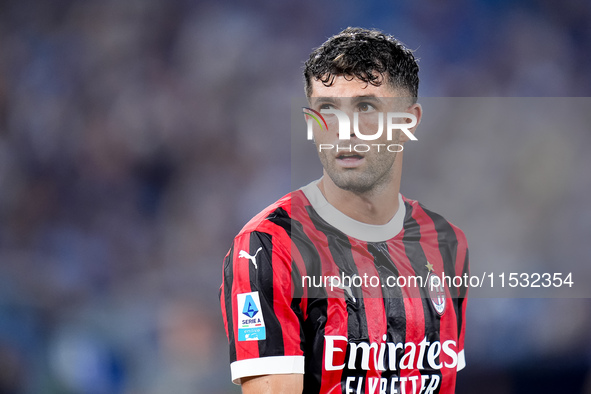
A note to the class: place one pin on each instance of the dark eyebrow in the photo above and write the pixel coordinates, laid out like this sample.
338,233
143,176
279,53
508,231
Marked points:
325,100
370,97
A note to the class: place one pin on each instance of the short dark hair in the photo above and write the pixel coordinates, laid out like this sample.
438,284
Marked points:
368,55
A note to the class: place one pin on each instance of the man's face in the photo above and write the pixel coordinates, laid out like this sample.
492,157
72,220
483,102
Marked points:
358,171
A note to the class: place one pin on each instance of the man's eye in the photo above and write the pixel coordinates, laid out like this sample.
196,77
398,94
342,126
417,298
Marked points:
365,107
326,106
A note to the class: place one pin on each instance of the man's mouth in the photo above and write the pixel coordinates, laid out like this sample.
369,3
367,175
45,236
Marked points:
349,159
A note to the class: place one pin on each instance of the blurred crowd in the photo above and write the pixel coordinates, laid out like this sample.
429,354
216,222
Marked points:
138,136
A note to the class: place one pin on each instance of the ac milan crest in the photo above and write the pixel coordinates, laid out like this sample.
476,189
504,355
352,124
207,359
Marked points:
436,292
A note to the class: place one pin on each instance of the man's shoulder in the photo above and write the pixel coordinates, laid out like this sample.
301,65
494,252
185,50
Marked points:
425,217
275,217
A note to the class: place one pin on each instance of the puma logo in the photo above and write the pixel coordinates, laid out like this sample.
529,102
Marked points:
245,255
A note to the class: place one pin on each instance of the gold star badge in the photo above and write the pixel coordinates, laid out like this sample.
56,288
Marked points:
429,266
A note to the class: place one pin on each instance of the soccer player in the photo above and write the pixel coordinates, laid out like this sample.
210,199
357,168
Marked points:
365,330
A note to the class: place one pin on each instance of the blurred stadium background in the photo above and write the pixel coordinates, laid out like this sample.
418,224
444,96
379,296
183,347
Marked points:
137,137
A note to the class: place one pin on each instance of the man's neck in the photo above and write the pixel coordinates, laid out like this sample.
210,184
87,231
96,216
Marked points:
377,206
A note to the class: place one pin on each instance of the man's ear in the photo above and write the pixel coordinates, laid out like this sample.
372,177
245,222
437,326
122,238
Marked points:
417,111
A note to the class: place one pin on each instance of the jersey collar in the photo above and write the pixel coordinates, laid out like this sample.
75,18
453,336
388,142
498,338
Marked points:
351,227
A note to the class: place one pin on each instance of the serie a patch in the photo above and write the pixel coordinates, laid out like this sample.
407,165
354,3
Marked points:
251,324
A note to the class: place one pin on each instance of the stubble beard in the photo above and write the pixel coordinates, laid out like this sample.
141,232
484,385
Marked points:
375,175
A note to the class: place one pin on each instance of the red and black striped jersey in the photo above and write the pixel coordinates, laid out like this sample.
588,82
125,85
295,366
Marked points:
369,331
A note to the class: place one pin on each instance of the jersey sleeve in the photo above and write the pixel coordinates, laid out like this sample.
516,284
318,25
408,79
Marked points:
463,268
261,316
